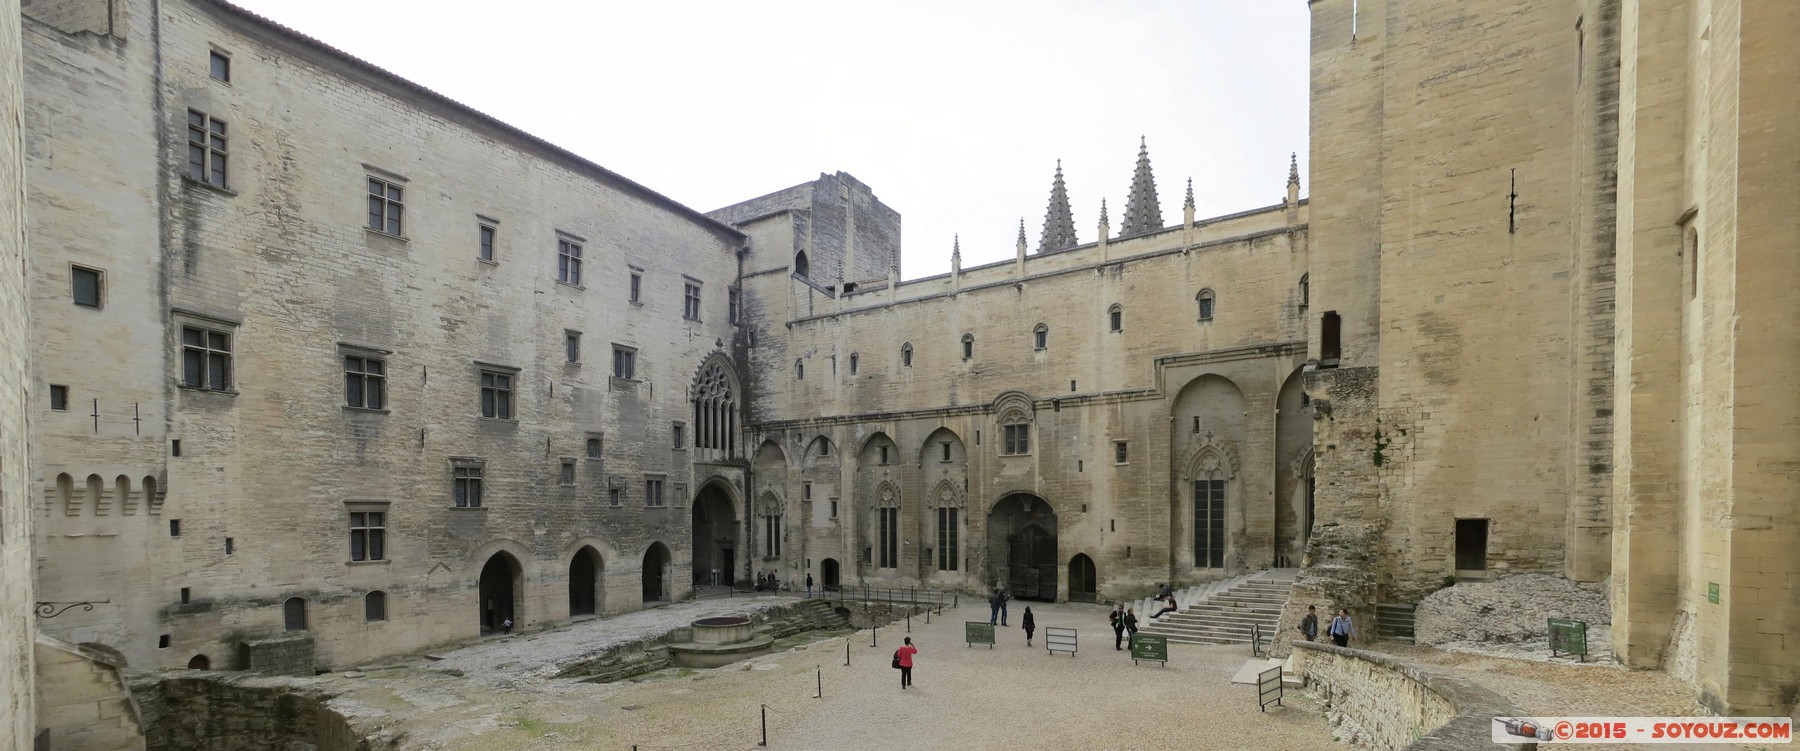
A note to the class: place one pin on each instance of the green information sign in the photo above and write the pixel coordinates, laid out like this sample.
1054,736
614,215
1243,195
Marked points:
1568,636
976,632
1150,648
1712,592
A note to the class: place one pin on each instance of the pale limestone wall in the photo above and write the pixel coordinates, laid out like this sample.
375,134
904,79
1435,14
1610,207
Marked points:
1450,176
83,701
17,623
282,260
1087,388
1398,705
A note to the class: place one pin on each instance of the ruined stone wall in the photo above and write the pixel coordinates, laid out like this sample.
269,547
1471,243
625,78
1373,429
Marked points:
17,624
1383,703
83,702
262,476
217,713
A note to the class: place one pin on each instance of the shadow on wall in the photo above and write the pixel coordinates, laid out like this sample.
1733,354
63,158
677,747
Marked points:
215,712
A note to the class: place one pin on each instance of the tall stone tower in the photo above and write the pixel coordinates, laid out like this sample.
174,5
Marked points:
17,623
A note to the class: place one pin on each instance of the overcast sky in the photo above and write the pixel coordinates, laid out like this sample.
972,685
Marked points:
955,112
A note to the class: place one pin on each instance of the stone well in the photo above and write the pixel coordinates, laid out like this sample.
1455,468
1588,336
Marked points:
720,640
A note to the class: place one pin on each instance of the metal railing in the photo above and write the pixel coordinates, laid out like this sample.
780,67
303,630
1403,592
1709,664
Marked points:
934,599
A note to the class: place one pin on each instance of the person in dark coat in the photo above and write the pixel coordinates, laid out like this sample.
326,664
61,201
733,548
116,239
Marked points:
1029,624
1117,619
1309,625
1130,625
1003,599
809,585
994,608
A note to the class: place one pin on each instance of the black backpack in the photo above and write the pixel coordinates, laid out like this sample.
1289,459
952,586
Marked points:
896,659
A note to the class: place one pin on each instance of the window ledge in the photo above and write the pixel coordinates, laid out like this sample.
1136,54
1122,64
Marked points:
487,261
189,180
636,303
572,286
467,508
506,420
384,233
382,562
200,390
366,410
691,320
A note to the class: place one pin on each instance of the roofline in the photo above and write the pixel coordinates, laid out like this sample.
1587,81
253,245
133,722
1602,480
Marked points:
383,76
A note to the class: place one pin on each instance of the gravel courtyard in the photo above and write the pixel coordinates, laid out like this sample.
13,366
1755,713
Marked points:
1010,697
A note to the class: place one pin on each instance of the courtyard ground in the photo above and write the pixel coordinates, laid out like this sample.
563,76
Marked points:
1009,697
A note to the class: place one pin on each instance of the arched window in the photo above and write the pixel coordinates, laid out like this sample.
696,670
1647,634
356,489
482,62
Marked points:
95,487
1205,299
888,526
801,267
1040,337
799,370
122,489
1305,290
906,355
968,346
375,606
65,492
853,359
1015,434
1115,317
294,613
715,409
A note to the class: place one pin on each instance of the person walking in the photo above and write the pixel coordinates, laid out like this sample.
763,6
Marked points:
1117,619
1029,624
1003,599
905,655
1131,625
1309,625
506,626
1342,629
994,608
809,585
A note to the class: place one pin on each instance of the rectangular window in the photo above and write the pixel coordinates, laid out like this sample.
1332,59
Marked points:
375,606
568,261
679,493
624,362
890,538
174,527
59,397
365,382
679,434
205,359
572,345
653,492
772,534
466,484
86,286
496,395
1121,453
806,491
1471,544
593,448
637,285
1209,524
946,447
1330,349
368,535
221,67
567,476
734,300
1016,439
947,529
884,455
834,508
385,206
615,497
690,305
485,242
206,149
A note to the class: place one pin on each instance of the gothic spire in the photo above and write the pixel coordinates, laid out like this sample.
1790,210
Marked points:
1142,212
1187,206
1294,168
1059,221
1021,232
956,251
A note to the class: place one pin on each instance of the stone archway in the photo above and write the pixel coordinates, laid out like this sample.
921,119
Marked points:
1022,547
717,536
584,582
829,574
1082,584
656,573
500,591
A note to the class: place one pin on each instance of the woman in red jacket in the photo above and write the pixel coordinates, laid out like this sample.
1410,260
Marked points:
905,655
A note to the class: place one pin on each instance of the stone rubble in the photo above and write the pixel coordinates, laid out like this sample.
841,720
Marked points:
1476,616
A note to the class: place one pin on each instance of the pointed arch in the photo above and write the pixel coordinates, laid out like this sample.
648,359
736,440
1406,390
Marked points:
714,395
1115,317
950,518
943,445
887,532
906,355
801,265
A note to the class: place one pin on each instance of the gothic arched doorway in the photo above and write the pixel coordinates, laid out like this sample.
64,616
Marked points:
656,573
715,536
584,582
1082,587
1022,546
828,574
500,591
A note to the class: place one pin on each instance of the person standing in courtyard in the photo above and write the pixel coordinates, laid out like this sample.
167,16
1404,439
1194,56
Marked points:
1342,629
905,655
1029,625
994,608
1003,599
1309,625
809,585
1117,619
1130,625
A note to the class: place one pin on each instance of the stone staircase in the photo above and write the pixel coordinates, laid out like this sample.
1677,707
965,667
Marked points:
1394,622
1223,614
